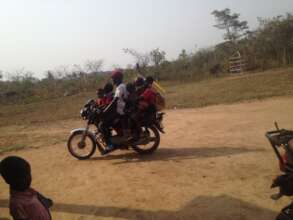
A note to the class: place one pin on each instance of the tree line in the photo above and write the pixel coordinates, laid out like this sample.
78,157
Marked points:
268,46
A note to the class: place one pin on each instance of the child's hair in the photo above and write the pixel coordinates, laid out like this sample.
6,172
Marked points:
130,87
108,88
139,81
100,93
16,172
149,80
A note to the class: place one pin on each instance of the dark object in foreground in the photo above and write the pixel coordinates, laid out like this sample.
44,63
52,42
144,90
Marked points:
24,201
283,139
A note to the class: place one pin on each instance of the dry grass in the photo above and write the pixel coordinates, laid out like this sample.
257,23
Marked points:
17,121
230,89
13,147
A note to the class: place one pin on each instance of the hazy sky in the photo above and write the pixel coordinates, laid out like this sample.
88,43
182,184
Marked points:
43,34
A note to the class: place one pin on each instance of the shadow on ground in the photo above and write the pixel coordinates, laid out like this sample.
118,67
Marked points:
203,207
177,154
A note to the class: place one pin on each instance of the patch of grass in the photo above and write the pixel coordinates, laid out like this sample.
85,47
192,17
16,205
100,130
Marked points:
228,89
14,147
45,111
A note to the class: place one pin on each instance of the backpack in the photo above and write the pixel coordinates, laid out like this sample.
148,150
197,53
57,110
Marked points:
160,102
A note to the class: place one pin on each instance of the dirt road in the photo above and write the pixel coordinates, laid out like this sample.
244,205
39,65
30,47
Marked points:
213,163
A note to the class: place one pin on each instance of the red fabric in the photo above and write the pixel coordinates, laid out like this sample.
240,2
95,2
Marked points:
149,96
25,205
106,100
116,74
284,162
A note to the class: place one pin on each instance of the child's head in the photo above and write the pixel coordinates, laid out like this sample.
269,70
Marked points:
149,80
108,88
139,82
130,87
16,172
100,93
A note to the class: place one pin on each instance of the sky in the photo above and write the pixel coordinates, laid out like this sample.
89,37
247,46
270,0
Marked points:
40,35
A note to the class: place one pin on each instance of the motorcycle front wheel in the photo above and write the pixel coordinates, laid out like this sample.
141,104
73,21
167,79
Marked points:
80,146
149,141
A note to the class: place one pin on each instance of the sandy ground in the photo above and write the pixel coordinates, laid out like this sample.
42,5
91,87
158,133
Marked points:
213,163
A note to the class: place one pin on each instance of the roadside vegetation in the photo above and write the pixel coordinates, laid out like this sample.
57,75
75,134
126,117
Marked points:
195,79
268,46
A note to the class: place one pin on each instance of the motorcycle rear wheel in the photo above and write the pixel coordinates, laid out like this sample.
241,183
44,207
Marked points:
154,137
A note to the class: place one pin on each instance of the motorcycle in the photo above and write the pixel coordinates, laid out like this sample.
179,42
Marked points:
82,143
280,141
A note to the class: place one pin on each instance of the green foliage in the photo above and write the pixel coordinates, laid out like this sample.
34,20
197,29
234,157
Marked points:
157,56
230,23
27,89
228,89
269,46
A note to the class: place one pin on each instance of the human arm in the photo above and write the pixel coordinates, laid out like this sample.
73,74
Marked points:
111,106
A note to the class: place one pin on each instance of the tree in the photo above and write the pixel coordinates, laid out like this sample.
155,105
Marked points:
183,55
1,74
49,75
143,59
274,38
62,71
230,23
76,68
157,57
183,60
93,66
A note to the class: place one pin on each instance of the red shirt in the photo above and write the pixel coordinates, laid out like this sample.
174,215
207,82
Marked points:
149,95
106,100
26,206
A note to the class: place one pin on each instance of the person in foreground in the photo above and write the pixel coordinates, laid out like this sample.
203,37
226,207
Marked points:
115,110
25,203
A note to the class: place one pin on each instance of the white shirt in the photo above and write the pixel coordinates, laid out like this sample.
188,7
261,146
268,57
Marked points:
122,94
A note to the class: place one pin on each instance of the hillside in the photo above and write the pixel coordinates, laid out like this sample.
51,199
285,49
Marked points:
229,89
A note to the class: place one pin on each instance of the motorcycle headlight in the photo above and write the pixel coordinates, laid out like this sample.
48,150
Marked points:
83,113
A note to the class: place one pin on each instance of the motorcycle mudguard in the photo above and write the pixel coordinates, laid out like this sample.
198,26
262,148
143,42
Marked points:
81,130
159,119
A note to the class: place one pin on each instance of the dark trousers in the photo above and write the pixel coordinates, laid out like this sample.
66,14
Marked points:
105,124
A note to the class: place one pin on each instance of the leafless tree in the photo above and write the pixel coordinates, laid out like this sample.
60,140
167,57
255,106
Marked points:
49,75
93,66
143,59
157,56
62,71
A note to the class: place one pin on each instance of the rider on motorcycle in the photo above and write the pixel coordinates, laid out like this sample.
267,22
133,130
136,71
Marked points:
115,110
139,85
100,94
108,95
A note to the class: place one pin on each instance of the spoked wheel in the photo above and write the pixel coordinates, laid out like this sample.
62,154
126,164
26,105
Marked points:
149,141
81,147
